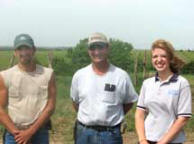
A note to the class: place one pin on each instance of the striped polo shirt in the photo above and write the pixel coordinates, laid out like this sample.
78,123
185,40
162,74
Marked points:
164,101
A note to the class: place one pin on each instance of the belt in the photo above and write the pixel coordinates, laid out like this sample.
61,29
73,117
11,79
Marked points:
47,125
99,127
152,142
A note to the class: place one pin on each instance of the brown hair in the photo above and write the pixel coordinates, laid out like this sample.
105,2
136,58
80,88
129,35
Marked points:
176,63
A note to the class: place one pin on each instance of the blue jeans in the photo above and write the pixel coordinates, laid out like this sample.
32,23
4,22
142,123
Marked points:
84,135
40,137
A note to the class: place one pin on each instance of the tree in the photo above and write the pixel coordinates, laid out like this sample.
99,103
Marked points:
79,55
120,54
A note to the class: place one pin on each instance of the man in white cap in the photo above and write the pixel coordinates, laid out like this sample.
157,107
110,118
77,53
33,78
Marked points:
102,94
28,92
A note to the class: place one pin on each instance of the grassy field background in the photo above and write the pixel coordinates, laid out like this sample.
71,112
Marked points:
64,116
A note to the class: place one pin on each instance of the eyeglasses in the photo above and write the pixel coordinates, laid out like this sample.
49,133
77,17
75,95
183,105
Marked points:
98,46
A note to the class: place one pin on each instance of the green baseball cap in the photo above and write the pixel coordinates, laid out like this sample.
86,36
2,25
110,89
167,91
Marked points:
23,40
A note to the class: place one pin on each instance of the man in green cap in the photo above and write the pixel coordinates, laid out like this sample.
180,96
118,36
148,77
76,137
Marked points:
28,92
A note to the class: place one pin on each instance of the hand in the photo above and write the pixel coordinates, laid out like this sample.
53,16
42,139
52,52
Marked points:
23,137
15,132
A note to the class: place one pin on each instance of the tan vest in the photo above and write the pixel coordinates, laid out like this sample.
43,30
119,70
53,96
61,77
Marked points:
27,93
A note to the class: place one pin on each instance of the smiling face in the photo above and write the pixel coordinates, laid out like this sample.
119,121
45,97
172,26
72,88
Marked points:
160,60
98,52
25,55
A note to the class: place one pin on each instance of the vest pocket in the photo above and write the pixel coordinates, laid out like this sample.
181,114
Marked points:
14,92
43,91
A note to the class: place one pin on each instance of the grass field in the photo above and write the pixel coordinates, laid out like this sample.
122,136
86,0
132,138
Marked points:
41,56
186,55
64,116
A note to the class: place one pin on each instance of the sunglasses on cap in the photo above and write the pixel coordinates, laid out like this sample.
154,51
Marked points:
99,45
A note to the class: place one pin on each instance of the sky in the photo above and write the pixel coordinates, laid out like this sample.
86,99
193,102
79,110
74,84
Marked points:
56,23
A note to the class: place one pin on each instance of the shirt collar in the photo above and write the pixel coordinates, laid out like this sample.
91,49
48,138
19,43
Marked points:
174,78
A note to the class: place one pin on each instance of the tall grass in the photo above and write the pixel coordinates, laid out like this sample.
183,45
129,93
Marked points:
5,59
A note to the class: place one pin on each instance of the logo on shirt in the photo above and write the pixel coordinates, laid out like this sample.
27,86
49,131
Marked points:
173,92
109,87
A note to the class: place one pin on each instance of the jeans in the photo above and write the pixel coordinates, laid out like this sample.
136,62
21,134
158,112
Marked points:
40,137
84,135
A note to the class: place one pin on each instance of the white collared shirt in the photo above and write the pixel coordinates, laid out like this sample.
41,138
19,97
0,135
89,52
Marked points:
165,102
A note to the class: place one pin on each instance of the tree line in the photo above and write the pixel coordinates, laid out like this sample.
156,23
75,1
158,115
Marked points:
121,54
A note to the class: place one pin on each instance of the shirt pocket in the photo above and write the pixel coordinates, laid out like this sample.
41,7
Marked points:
108,97
43,91
13,92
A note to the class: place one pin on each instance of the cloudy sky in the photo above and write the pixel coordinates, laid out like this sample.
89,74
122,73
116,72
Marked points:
64,22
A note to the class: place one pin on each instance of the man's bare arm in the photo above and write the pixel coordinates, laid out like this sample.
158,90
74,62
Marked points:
5,120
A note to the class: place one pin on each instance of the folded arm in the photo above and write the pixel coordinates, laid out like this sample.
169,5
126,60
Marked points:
5,120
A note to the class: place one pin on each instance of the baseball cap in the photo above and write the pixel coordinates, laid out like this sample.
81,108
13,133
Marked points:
97,38
23,40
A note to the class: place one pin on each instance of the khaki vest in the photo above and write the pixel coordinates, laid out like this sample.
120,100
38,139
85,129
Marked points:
27,93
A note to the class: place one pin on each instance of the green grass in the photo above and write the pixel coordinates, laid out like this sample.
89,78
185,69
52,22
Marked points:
41,56
5,59
187,56
190,125
64,116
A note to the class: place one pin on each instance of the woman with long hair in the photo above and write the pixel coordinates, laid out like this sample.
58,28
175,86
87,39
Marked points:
164,104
